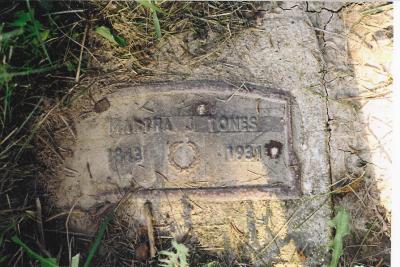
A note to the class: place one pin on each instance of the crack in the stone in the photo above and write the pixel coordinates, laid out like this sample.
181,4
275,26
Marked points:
329,20
290,8
327,9
322,43
324,71
328,126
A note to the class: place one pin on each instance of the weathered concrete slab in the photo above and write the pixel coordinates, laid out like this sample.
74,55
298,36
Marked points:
358,83
281,53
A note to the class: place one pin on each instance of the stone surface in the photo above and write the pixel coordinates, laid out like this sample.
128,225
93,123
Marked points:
356,44
202,138
283,53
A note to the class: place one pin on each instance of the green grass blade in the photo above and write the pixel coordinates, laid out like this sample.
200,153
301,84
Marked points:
154,9
37,33
44,262
75,261
156,23
97,241
150,5
9,75
105,32
11,34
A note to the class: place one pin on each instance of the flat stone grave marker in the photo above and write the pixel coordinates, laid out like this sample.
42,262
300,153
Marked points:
203,139
237,168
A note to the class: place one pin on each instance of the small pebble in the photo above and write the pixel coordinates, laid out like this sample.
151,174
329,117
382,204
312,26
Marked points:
101,105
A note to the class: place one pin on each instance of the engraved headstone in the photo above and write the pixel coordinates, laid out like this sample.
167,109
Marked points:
200,138
219,163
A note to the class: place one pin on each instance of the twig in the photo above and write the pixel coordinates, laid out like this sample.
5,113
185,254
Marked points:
51,147
89,171
150,229
39,222
61,214
68,126
67,231
362,243
64,12
78,71
70,38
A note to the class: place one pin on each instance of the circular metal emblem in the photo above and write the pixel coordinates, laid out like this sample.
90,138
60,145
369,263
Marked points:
183,155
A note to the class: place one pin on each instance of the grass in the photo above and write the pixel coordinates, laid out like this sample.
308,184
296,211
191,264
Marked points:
52,261
341,224
154,10
31,49
176,258
44,262
150,22
97,241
